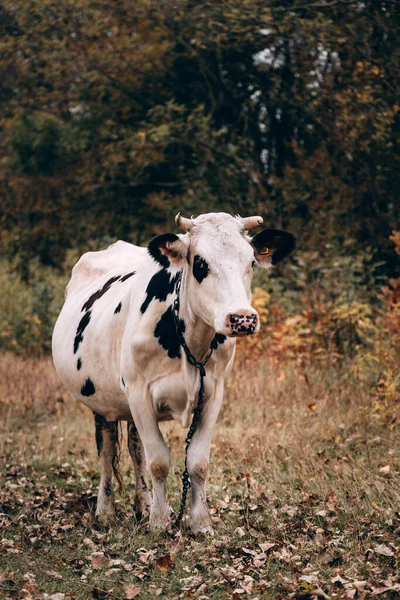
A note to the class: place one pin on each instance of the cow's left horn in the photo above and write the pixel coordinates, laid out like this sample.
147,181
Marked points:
183,223
251,222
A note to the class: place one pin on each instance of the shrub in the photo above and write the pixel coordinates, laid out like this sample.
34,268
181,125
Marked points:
28,310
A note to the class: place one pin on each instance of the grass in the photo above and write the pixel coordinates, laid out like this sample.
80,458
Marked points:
303,490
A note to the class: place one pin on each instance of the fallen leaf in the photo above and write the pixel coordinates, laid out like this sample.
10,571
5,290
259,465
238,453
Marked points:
383,550
155,590
239,532
267,546
385,470
146,555
131,591
165,563
383,590
117,562
99,561
248,551
54,574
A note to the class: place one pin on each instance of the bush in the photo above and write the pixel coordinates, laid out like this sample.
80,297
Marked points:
28,310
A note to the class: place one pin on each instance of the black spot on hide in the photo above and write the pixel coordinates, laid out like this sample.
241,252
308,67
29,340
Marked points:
134,442
166,333
118,309
159,286
125,277
79,364
83,323
200,268
88,388
158,242
99,422
108,487
97,295
217,340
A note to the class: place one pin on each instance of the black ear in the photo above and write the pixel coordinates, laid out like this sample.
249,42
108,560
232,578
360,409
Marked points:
271,245
167,249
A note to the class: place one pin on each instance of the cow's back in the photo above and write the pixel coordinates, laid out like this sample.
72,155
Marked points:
92,266
88,333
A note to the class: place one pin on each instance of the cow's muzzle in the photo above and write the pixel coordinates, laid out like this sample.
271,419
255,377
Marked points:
242,323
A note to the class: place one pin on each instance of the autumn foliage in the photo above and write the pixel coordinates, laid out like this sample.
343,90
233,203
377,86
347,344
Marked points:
115,115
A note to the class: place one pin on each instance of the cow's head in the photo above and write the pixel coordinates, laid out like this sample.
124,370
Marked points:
218,257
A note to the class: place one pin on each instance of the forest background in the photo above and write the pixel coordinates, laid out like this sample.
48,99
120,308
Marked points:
115,118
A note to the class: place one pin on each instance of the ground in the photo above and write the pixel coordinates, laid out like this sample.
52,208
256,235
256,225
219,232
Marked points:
303,490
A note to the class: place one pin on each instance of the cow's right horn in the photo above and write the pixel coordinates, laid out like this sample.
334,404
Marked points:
251,222
183,223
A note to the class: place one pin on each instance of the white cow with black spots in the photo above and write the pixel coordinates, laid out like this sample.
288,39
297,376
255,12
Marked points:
116,349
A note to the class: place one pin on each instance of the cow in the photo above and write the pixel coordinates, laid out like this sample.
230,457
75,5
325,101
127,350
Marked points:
117,345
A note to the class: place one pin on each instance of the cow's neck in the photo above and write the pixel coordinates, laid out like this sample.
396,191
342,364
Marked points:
198,334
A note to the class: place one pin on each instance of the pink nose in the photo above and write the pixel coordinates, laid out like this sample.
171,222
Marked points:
243,323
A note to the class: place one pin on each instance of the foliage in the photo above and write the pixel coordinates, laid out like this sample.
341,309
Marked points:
330,314
28,310
116,115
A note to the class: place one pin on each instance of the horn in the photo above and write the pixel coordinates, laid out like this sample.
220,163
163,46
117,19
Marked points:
251,222
183,223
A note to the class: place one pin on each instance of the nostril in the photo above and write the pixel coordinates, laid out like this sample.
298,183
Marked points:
251,318
242,323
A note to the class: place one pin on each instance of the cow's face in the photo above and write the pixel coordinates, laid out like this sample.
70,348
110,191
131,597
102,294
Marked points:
218,258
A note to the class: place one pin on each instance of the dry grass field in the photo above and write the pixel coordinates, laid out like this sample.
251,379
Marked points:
303,489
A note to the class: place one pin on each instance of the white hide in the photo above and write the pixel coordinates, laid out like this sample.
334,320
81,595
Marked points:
123,345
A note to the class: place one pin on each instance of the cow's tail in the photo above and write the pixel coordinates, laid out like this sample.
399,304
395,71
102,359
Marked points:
117,455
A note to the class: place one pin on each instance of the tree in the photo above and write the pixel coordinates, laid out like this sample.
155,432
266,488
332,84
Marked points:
117,115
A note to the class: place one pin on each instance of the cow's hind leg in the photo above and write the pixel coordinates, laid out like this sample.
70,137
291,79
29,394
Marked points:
142,492
107,442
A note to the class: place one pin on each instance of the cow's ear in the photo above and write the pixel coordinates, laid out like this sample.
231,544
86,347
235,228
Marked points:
169,250
271,245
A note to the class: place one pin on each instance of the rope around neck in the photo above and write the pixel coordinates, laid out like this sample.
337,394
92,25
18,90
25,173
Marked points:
198,409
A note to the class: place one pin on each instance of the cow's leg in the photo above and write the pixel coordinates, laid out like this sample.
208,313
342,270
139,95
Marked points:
106,441
142,492
156,453
197,462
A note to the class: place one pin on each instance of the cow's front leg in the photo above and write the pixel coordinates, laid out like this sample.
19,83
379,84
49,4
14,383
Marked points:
106,441
156,453
198,460
142,492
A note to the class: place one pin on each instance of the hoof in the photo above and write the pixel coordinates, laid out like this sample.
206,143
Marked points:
201,524
141,509
105,518
205,530
159,526
160,519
